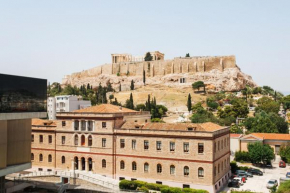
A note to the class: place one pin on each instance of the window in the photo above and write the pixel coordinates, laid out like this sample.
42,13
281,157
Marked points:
185,147
103,142
186,170
76,140
122,165
40,169
50,139
225,143
63,123
32,156
186,186
83,140
134,166
214,147
49,170
104,124
90,125
49,158
172,169
133,144
200,148
200,172
214,171
158,145
32,138
121,178
40,138
62,139
104,164
225,164
90,140
62,159
222,145
218,145
76,125
158,182
146,144
146,167
159,168
222,165
83,125
218,168
172,146
122,143
40,157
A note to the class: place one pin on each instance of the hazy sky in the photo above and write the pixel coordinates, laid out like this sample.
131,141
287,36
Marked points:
49,38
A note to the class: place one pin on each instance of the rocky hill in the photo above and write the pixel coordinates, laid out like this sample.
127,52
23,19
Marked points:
218,73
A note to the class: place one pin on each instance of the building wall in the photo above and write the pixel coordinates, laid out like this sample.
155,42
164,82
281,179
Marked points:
3,144
19,141
235,144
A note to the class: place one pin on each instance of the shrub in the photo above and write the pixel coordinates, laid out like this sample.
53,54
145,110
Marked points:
242,156
143,189
234,166
127,185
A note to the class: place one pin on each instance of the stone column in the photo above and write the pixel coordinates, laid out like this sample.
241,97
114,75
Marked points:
195,66
80,164
203,65
86,165
221,64
73,164
80,125
93,166
86,127
172,68
187,68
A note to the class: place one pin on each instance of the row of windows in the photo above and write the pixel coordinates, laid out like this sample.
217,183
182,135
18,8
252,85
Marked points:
159,146
41,138
159,169
220,145
49,158
221,166
83,125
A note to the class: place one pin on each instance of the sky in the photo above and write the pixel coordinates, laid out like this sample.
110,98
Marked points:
50,39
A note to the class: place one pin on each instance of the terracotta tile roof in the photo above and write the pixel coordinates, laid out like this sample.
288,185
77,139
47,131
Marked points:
174,126
105,108
41,122
272,136
235,135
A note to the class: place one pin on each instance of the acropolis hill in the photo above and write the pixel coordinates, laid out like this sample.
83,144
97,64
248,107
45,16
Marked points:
219,73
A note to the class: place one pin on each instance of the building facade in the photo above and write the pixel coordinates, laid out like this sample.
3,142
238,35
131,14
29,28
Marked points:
21,99
64,103
122,144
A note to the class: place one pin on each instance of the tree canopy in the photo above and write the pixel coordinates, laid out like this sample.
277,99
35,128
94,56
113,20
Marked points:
189,105
148,57
239,109
268,105
260,153
285,152
198,84
187,55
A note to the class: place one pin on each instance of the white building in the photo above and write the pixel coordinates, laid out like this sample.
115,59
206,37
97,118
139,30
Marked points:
64,103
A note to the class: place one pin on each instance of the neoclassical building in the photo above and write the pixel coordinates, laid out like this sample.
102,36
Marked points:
123,144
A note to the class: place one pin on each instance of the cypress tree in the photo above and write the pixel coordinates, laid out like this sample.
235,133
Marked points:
144,77
189,106
132,85
131,101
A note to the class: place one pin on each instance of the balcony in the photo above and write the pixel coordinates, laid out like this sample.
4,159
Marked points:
22,94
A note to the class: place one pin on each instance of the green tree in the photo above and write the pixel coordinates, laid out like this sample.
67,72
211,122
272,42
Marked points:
268,105
198,84
211,103
284,187
285,152
140,107
201,115
236,129
148,57
144,77
187,55
260,153
239,109
130,102
189,105
286,102
132,85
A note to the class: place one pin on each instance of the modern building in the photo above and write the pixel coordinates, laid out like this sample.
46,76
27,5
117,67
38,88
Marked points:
275,140
21,99
122,143
64,103
235,144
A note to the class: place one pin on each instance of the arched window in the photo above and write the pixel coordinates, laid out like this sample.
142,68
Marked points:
172,169
146,167
83,140
40,157
186,170
76,140
62,159
122,165
32,156
200,172
104,164
159,168
134,166
49,158
90,140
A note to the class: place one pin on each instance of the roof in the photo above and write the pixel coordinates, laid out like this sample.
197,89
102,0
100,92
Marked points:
235,135
105,108
41,122
268,136
174,126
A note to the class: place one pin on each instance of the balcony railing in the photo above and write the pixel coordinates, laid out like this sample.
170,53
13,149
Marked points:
22,94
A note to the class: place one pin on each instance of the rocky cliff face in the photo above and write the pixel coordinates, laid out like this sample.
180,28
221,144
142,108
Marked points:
228,79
